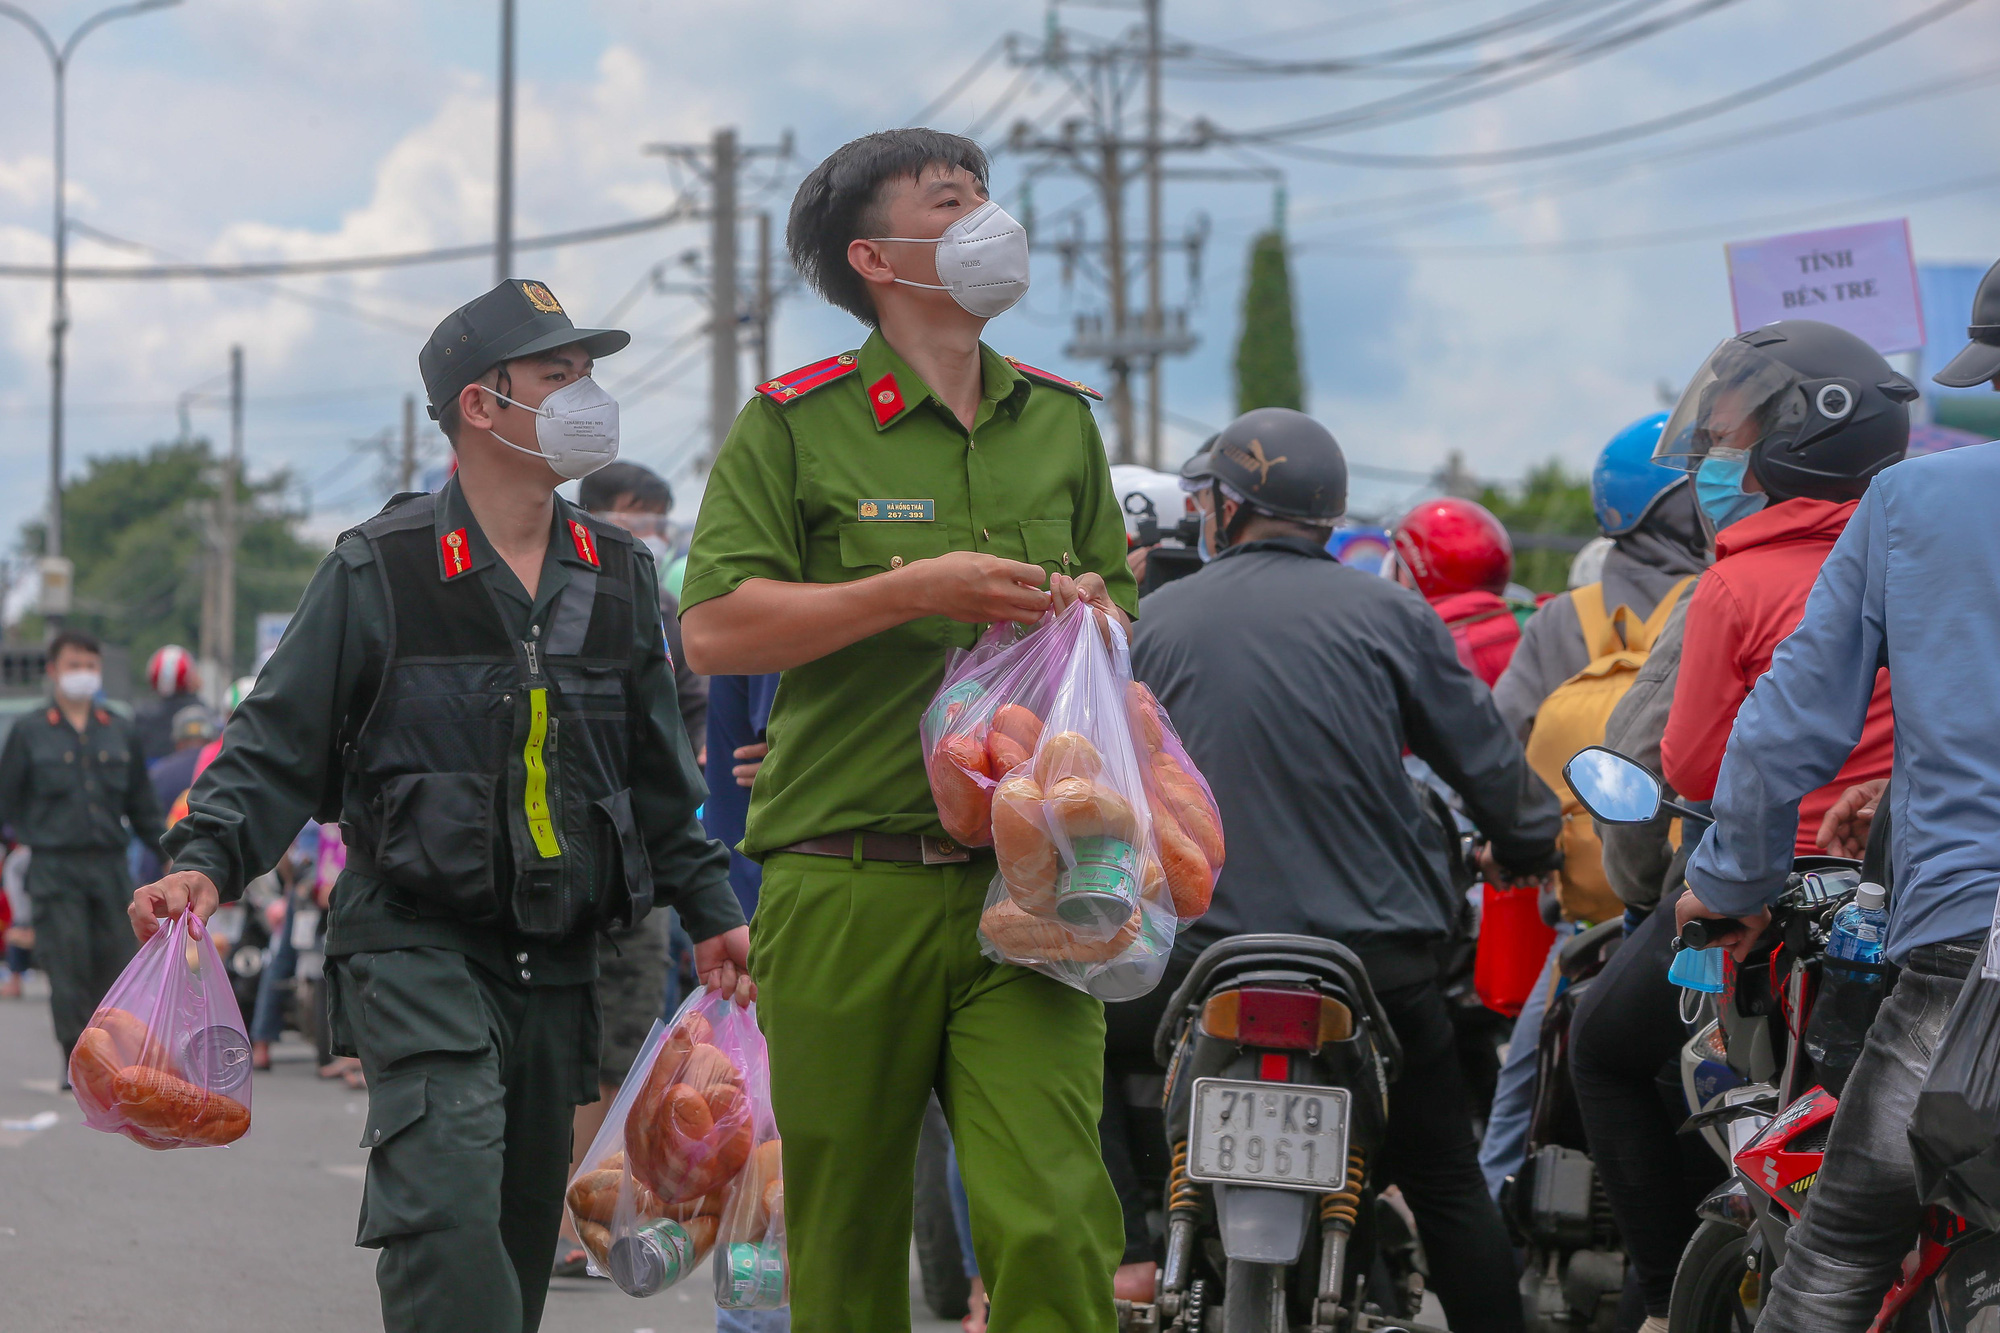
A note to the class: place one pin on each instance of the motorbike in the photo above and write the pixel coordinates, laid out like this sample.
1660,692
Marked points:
1279,1059
1760,1103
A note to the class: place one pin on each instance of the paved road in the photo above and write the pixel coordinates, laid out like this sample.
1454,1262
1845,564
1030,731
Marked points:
97,1233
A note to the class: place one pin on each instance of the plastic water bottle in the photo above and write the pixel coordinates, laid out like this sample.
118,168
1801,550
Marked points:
1849,997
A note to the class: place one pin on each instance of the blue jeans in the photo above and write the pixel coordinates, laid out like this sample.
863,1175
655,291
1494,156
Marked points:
267,1022
753,1321
1506,1145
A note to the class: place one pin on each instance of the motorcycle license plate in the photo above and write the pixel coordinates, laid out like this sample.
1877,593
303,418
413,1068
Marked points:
1284,1135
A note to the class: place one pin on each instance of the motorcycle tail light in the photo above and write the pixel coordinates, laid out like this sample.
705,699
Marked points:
1293,1020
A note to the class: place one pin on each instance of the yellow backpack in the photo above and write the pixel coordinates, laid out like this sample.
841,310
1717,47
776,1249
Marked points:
1573,716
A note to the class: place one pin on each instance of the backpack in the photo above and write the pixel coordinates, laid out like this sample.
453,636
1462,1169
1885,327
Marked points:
1484,631
1573,716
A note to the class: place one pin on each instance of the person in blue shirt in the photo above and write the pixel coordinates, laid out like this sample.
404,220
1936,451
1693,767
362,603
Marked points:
1907,587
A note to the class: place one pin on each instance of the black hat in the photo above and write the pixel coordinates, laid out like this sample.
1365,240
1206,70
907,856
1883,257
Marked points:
1282,462
1980,361
516,318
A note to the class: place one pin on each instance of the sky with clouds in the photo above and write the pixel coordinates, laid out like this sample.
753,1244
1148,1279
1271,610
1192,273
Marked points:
1512,311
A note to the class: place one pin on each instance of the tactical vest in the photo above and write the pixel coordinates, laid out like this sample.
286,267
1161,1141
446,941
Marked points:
489,779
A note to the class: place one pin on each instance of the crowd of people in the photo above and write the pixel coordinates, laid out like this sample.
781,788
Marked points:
1762,623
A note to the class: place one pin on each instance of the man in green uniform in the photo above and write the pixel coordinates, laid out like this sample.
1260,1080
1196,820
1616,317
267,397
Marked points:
866,515
73,784
476,685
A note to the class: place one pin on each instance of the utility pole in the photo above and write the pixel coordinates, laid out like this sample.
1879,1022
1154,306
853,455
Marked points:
503,221
232,473
1154,389
1099,149
763,296
720,163
59,57
406,475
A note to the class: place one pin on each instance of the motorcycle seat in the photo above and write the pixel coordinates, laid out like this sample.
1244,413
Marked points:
1580,952
1238,954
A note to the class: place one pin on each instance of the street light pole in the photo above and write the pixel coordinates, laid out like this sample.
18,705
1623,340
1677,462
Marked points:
503,221
59,315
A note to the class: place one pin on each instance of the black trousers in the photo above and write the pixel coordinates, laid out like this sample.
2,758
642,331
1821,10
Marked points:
83,938
1625,1042
1429,1153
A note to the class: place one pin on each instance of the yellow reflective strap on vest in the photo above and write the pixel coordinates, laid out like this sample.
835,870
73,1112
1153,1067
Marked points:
536,794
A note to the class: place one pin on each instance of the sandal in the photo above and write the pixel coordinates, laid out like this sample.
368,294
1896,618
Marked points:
571,1264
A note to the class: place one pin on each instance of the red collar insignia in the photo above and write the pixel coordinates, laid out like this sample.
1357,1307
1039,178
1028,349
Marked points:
586,545
885,399
457,552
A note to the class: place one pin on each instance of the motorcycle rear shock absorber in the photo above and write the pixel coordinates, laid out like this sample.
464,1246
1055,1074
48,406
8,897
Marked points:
1337,1214
1184,1205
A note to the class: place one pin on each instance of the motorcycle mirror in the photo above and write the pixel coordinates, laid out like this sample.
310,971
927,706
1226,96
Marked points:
1615,790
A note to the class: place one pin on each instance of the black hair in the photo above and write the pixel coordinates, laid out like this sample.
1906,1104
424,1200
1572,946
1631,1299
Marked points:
81,640
449,419
605,487
838,203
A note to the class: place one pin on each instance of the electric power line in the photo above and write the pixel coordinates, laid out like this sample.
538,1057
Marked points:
1271,137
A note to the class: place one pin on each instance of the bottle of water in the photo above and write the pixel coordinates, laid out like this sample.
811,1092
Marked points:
1849,997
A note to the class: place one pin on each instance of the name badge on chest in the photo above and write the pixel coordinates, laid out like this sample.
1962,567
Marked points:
896,511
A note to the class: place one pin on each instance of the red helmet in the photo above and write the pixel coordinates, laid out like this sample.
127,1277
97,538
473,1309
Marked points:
1452,546
171,671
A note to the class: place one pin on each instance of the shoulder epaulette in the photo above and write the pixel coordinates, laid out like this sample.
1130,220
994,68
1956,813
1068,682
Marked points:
1049,377
797,383
409,509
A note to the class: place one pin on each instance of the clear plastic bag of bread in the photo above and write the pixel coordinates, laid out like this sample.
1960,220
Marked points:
1096,867
648,1198
751,1272
166,1058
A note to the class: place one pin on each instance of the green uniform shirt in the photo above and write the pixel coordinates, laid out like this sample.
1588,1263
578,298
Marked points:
65,791
863,471
281,762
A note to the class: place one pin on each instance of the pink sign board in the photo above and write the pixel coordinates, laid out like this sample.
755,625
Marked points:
1859,278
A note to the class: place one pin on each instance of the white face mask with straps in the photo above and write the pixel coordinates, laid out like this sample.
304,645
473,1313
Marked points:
576,427
982,260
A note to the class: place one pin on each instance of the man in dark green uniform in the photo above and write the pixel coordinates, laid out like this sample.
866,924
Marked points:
73,784
866,515
476,685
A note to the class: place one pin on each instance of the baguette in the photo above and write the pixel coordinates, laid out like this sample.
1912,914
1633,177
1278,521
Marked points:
163,1105
960,772
1020,936
1080,808
1027,857
1067,754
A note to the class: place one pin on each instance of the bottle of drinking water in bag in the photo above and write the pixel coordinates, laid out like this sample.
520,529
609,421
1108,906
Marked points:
1849,996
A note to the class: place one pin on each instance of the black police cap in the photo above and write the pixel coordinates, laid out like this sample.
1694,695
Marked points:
517,318
1980,360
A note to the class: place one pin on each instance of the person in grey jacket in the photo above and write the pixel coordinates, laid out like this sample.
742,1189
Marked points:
1297,683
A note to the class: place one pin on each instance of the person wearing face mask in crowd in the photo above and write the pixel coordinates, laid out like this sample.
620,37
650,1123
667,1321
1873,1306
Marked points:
418,695
73,784
1782,429
867,513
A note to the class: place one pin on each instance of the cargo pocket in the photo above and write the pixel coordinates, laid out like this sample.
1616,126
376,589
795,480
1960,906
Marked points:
625,875
436,845
401,1197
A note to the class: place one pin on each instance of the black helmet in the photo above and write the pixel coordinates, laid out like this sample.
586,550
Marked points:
1280,462
1817,411
1980,361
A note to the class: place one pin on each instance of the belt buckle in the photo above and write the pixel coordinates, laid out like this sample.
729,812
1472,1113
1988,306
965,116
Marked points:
942,851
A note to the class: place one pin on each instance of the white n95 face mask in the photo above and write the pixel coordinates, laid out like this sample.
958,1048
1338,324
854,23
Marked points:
576,427
79,685
982,260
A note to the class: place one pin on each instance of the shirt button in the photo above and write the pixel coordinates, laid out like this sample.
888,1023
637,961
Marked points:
895,562
376,1137
534,629
521,957
526,975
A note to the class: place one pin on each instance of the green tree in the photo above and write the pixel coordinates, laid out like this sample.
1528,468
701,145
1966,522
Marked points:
134,525
1548,502
1267,355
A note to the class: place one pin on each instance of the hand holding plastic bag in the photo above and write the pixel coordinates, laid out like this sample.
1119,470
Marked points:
650,1196
166,1060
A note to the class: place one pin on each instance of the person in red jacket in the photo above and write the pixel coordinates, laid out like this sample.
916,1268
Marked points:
1456,553
1777,494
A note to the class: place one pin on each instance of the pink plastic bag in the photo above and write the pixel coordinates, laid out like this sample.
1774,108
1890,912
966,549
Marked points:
650,1196
1046,748
166,1060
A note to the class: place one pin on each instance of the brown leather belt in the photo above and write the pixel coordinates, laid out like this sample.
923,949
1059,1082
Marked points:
906,847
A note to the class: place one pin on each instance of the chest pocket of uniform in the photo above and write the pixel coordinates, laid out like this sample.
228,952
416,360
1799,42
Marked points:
1047,543
889,544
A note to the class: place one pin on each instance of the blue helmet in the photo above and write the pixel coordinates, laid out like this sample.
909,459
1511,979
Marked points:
1626,480
1360,547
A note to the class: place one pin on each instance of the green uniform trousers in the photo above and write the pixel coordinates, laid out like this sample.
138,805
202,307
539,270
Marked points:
472,1081
83,938
872,993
